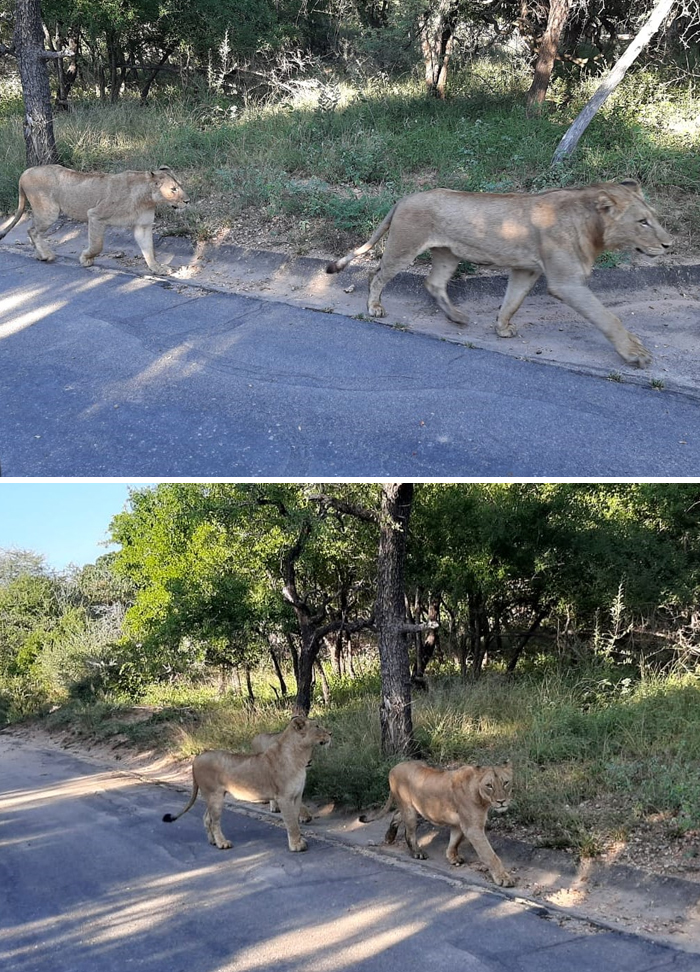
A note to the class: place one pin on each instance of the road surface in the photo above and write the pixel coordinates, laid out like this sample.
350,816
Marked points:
107,374
91,880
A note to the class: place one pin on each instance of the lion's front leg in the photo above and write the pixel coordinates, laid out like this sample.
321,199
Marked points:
290,809
583,300
456,837
488,856
143,233
520,283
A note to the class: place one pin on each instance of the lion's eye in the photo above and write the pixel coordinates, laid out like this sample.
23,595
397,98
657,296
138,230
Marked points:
644,222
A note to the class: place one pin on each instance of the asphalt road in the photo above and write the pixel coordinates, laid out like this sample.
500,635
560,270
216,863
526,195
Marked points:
91,879
107,374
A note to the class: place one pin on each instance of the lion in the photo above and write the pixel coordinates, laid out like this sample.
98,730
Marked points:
100,199
261,743
558,232
456,798
278,773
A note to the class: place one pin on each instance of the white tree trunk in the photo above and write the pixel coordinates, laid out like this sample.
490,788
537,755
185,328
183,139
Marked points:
606,88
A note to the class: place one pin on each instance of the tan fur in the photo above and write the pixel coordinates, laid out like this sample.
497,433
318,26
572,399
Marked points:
559,232
278,773
260,744
126,199
456,798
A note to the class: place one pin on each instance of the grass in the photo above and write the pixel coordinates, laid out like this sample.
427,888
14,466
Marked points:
597,753
326,177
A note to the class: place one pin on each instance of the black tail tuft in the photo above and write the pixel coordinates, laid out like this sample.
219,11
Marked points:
168,818
333,268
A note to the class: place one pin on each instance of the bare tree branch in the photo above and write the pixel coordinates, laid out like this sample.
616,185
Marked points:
570,140
359,512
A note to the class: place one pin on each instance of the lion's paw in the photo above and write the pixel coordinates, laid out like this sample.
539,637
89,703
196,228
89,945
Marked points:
635,353
161,269
504,880
506,330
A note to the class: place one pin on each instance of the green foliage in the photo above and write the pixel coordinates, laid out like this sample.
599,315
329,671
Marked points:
208,566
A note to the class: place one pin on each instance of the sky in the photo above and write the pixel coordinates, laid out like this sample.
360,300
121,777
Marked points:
66,522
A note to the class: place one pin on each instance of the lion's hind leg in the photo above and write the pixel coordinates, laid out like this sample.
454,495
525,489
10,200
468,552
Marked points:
44,215
96,237
212,820
393,828
396,257
444,265
410,821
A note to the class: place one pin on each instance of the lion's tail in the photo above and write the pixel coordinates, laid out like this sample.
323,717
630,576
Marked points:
169,818
369,817
383,228
20,209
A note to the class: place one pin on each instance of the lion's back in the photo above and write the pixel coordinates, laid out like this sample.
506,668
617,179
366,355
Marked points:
126,193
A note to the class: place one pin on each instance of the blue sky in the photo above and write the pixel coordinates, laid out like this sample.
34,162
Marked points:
66,522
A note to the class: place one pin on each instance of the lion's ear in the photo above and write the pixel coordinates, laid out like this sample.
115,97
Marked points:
298,722
607,205
633,186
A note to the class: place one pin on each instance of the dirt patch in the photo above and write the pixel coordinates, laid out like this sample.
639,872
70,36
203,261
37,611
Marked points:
648,885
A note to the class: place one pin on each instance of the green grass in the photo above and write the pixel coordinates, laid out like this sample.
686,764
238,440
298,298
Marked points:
596,753
328,176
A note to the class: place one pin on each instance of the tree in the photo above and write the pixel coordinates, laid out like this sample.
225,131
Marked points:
570,140
31,57
558,14
231,565
437,29
395,715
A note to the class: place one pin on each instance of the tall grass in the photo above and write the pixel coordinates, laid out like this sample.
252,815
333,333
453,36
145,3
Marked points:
342,169
596,753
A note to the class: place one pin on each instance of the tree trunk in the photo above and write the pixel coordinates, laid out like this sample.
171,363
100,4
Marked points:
294,655
325,687
249,684
431,643
604,90
153,74
558,14
390,614
278,668
307,656
437,38
522,642
38,120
